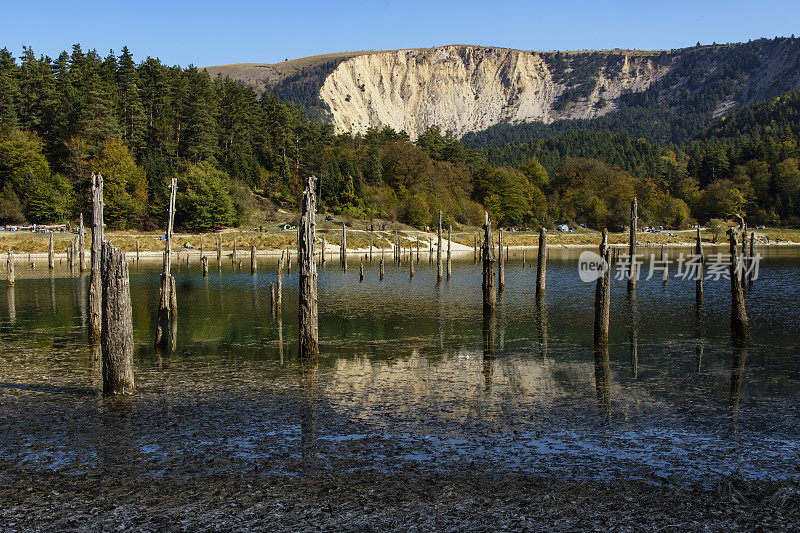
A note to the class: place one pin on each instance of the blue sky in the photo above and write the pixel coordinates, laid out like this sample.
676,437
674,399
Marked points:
205,32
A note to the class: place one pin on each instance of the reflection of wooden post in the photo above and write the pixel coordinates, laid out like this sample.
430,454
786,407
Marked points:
739,322
439,251
167,307
698,252
632,274
602,297
541,266
95,285
501,264
10,268
309,329
51,254
117,323
489,292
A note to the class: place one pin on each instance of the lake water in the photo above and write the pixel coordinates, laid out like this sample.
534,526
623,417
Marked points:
404,380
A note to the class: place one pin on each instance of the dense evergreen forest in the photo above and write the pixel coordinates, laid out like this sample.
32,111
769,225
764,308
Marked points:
238,154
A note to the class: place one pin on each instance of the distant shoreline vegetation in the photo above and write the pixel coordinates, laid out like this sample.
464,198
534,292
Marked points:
239,156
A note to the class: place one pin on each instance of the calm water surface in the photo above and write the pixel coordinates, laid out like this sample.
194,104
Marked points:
408,378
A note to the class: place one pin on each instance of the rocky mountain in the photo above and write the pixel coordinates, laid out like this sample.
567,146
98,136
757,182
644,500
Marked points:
465,88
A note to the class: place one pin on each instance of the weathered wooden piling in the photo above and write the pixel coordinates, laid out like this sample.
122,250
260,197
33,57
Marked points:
117,323
501,263
168,301
279,286
382,268
475,250
82,245
10,268
666,265
343,251
361,270
204,262
541,266
323,248
201,245
449,253
439,250
417,249
370,249
234,249
51,254
523,255
602,297
430,251
632,274
308,316
698,284
137,251
95,284
489,292
751,270
253,262
739,323
219,250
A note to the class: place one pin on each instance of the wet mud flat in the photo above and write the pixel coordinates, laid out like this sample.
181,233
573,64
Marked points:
331,501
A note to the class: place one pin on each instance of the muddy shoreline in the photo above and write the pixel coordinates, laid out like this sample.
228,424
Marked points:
331,501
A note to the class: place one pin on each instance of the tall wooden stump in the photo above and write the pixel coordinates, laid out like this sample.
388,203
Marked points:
602,297
234,249
430,251
219,250
501,263
167,307
541,266
698,284
449,253
253,263
632,274
489,292
739,323
51,254
204,262
343,252
439,251
309,329
117,323
95,284
82,246
279,287
10,268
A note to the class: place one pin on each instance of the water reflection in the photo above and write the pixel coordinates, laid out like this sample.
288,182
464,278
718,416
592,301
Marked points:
633,333
541,326
12,305
602,377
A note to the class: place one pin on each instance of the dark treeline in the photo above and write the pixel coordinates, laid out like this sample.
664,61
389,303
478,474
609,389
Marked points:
236,153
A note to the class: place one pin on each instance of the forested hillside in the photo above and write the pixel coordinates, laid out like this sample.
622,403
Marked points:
237,154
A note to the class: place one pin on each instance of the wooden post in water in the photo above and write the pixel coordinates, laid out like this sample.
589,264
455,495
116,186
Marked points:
344,247
137,251
739,323
501,264
430,251
253,263
752,256
541,266
417,249
219,250
382,263
523,253
234,249
95,283
439,251
360,270
370,249
632,274
323,248
51,254
449,255
489,292
81,245
201,245
308,316
602,298
10,268
475,250
698,283
168,300
279,286
117,323
204,262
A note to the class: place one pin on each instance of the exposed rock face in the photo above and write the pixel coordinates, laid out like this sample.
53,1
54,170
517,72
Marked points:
465,88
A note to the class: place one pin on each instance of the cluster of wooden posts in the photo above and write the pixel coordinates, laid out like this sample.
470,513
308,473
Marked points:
110,303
